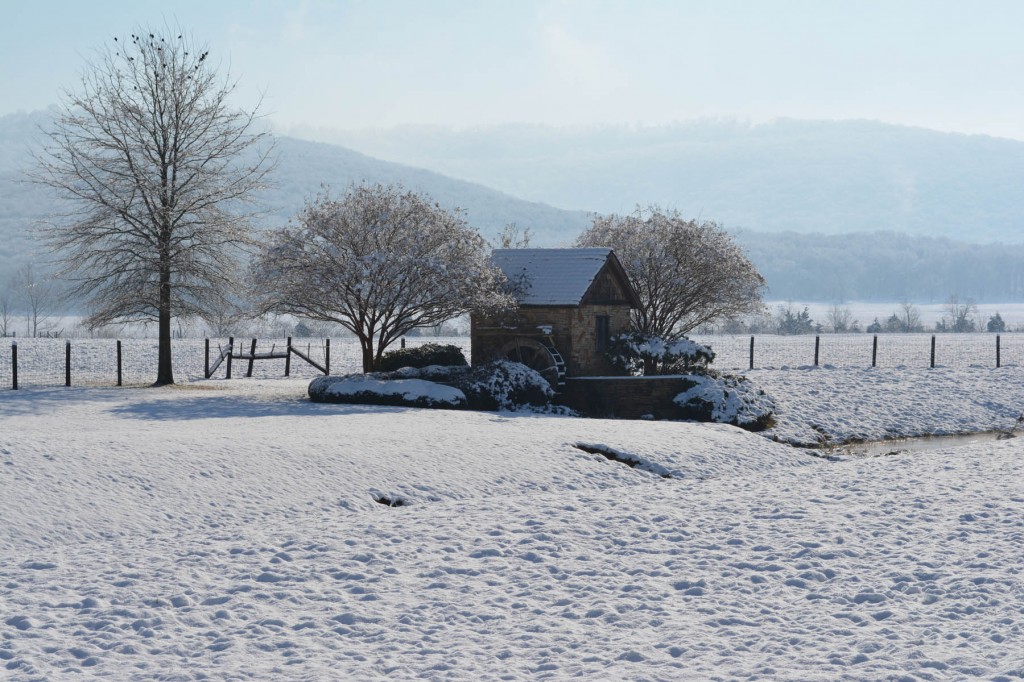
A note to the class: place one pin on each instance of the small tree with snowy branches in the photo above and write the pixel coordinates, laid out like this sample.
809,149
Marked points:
687,273
380,261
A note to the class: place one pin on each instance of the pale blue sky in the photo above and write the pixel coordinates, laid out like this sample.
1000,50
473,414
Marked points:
949,65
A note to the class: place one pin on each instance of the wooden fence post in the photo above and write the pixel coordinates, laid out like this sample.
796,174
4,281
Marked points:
933,351
206,359
14,366
231,351
327,356
119,362
817,346
252,358
874,351
997,351
751,352
67,363
288,358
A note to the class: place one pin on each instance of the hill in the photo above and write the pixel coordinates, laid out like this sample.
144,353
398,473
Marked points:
884,266
843,176
800,176
303,169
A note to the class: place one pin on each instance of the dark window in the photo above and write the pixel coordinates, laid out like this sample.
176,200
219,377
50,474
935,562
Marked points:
604,333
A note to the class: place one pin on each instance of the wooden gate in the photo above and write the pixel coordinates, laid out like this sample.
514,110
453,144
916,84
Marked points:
230,353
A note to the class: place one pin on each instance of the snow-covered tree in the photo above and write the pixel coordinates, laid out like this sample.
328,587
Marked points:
148,153
380,261
790,322
996,324
687,273
642,353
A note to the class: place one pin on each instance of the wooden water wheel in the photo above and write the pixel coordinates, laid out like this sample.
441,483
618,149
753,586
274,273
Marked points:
539,355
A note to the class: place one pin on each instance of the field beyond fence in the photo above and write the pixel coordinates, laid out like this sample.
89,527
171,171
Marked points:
93,362
859,350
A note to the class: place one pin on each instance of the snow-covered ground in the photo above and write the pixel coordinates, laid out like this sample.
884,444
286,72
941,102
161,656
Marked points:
837,404
232,530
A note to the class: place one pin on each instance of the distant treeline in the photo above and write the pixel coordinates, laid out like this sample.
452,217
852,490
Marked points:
884,266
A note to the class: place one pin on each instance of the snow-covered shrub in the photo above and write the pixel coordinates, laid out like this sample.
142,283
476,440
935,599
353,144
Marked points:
640,353
727,400
422,356
365,389
498,385
502,385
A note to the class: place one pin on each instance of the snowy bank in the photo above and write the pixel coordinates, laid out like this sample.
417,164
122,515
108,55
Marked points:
817,405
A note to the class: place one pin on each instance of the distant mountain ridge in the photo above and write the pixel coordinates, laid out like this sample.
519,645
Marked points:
304,168
872,263
825,177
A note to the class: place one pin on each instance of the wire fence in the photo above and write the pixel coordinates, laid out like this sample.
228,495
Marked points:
94,362
865,350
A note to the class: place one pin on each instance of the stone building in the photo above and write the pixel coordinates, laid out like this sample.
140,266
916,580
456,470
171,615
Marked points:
571,302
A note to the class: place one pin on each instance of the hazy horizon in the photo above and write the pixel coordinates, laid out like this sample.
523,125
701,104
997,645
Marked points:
351,66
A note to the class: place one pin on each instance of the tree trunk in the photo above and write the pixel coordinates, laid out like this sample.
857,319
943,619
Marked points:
368,358
164,372
650,367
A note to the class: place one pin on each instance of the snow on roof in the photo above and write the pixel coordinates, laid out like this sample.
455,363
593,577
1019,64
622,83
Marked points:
551,276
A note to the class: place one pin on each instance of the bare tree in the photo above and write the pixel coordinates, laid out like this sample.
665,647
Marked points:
380,262
512,237
38,299
961,315
910,318
7,310
841,321
687,273
149,152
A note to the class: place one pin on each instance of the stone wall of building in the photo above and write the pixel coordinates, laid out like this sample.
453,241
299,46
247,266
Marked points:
624,397
586,359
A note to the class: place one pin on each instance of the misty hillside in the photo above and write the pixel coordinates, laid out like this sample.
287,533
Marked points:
303,168
800,176
873,264
884,266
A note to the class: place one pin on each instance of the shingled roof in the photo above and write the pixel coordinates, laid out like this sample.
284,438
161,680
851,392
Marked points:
554,276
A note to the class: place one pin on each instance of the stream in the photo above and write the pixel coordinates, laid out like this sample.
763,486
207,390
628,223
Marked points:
880,448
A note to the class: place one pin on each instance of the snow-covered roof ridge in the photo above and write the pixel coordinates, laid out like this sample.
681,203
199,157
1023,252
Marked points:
552,276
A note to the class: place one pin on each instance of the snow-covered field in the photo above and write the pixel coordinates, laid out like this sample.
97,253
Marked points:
837,404
230,530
